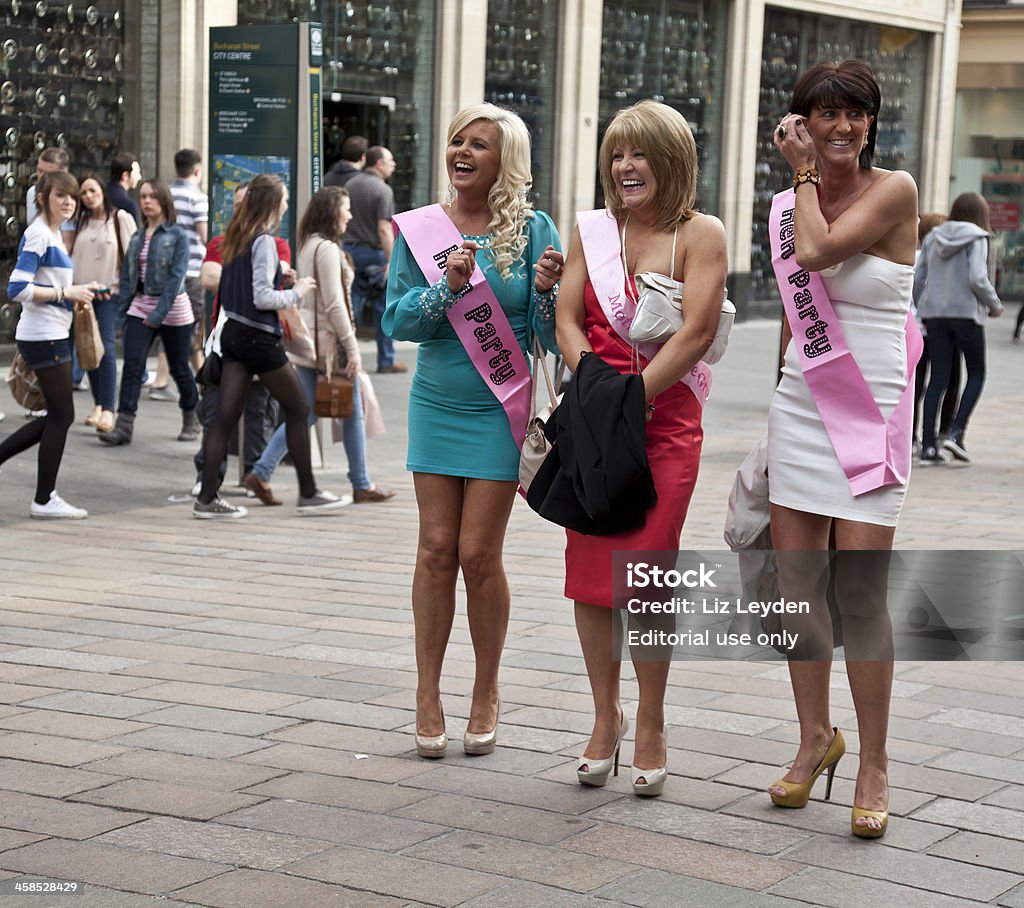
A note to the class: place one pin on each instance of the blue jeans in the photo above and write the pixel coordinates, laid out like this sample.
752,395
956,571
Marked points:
944,336
364,256
177,344
103,379
353,437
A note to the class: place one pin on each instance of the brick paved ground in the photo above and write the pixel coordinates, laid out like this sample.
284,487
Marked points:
221,714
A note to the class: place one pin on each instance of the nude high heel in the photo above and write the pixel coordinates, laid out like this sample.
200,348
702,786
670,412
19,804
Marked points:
432,747
595,772
798,793
866,832
653,780
484,743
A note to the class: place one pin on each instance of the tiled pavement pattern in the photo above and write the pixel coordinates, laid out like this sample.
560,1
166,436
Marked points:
220,714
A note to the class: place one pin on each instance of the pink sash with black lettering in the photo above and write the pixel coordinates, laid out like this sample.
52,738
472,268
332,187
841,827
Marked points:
873,451
478,319
599,234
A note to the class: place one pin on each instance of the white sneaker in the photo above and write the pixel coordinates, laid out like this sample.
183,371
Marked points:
322,502
57,509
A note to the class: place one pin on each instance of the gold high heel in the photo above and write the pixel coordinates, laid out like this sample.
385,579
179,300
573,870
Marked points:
798,793
867,832
484,743
432,747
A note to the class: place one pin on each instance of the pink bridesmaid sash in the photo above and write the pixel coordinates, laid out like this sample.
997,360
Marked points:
874,452
477,317
599,234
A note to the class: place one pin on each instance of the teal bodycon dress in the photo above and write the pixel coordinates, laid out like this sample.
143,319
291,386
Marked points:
457,427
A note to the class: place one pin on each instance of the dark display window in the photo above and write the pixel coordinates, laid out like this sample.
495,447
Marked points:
522,37
672,51
377,78
794,42
64,80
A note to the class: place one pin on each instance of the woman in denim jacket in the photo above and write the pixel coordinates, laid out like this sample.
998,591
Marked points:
153,287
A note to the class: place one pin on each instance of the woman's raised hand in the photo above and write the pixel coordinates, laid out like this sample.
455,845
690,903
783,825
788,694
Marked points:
794,141
460,265
303,285
548,269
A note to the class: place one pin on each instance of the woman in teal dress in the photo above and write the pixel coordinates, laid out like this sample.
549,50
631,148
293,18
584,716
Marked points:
462,454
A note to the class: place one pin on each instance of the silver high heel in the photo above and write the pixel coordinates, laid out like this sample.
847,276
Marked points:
432,747
597,771
653,780
478,745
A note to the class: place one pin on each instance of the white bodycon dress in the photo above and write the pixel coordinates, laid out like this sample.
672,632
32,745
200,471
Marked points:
871,297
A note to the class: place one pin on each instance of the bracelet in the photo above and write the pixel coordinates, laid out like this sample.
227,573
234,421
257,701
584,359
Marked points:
806,175
60,295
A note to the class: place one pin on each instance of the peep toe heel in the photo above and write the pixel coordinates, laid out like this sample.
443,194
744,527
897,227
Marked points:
595,772
798,793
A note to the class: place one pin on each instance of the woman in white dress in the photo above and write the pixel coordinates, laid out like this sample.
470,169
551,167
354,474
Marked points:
856,225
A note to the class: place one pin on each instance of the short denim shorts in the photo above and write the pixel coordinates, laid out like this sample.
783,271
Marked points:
45,354
259,351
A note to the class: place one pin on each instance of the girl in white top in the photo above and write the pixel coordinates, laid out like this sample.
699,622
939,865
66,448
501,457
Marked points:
41,282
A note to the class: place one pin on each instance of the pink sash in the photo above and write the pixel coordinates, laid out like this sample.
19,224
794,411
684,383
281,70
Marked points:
599,234
874,452
478,319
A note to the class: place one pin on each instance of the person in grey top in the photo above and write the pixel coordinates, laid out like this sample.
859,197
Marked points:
954,296
369,240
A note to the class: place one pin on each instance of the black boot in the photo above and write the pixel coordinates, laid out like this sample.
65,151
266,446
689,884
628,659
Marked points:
190,427
121,434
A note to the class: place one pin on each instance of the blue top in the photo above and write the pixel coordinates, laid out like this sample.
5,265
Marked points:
457,427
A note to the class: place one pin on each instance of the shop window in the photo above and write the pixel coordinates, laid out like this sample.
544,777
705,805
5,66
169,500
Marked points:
793,42
378,78
671,51
522,38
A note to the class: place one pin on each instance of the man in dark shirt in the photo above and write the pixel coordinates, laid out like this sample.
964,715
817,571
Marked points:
125,175
353,159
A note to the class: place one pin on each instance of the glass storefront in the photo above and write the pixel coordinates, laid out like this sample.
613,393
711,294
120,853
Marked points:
792,43
378,78
672,51
69,78
522,40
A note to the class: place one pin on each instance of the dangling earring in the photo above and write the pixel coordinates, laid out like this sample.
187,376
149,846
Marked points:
450,198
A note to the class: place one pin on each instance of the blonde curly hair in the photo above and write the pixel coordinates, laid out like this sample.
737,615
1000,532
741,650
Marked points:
507,198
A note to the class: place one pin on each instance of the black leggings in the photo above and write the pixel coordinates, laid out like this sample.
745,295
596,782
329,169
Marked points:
283,385
50,432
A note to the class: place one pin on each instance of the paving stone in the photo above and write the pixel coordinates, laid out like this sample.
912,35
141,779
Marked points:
983,850
524,823
335,791
90,681
99,897
10,838
533,895
18,674
46,639
203,718
975,817
552,866
340,657
1011,796
920,871
831,889
353,765
47,749
47,780
187,741
982,765
215,842
345,737
51,817
981,720
396,875
1014,898
354,691
218,697
178,769
122,630
70,725
657,889
343,712
669,853
90,704
704,826
271,665
86,662
238,889
21,693
105,865
189,801
334,824
196,674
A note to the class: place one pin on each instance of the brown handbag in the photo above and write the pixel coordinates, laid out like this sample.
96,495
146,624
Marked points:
334,397
25,385
88,340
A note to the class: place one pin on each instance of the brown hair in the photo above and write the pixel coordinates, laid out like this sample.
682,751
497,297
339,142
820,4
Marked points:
969,206
664,135
49,183
321,214
163,195
260,207
850,84
928,222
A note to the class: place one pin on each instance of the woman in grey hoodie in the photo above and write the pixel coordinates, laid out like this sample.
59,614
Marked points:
954,296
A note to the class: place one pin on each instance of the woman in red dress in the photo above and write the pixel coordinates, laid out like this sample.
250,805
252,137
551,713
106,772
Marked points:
648,164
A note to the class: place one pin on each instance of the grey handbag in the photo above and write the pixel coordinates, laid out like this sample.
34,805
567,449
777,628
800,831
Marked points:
536,445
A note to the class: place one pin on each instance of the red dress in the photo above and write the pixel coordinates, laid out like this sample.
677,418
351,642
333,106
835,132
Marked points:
674,437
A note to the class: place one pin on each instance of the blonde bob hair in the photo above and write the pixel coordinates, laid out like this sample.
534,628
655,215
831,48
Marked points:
507,198
664,136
